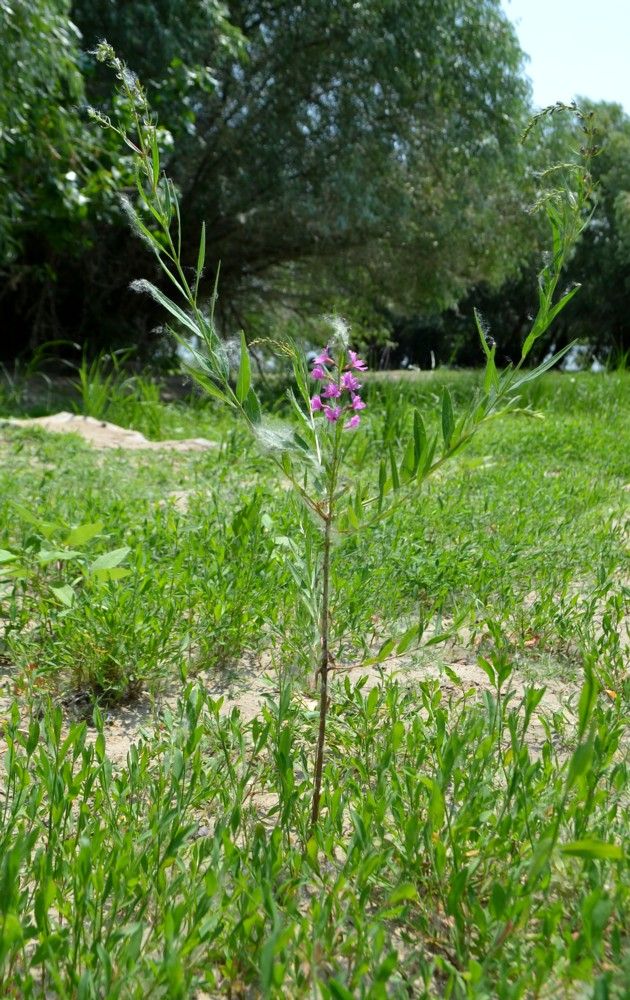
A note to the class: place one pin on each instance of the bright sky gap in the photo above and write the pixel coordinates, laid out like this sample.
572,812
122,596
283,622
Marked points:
576,48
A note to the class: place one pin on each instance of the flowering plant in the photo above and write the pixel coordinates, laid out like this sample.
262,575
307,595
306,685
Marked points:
311,456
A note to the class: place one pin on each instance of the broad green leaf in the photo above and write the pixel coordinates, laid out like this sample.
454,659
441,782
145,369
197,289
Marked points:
6,556
371,702
588,699
11,931
408,466
57,555
244,379
45,528
386,650
593,849
405,892
109,559
252,407
117,573
64,594
398,734
83,533
436,806
580,762
338,991
405,642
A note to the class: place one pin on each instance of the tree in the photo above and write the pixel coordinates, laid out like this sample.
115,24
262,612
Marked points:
601,262
337,151
42,140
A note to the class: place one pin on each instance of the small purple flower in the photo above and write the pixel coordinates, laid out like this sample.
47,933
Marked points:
323,358
357,402
348,381
319,373
332,391
332,413
316,404
353,422
356,362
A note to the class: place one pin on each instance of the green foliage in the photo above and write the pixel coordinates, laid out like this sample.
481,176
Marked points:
385,142
434,870
599,262
41,135
433,867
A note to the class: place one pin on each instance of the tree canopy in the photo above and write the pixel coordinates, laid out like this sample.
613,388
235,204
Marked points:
360,156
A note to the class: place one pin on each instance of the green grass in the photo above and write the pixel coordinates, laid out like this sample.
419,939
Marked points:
438,869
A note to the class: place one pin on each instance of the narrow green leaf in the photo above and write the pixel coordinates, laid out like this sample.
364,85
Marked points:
448,419
419,439
201,258
436,806
535,373
382,479
170,306
593,849
155,161
427,461
588,699
407,466
244,379
394,468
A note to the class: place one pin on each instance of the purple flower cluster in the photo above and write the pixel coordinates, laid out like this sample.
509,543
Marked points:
330,400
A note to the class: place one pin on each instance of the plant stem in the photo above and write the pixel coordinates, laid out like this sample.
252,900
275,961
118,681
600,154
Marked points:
324,632
323,672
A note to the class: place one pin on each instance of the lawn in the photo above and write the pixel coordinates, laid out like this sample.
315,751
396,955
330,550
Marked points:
159,718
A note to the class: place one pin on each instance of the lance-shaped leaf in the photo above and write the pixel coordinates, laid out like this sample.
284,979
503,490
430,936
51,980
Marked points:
593,849
448,418
394,468
244,379
201,258
155,293
419,439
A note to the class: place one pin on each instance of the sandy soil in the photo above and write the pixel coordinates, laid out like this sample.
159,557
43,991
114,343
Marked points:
247,687
102,434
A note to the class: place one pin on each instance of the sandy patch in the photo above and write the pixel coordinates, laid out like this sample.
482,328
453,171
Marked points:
102,434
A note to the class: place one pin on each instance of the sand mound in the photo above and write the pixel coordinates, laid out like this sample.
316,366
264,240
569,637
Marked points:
102,434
